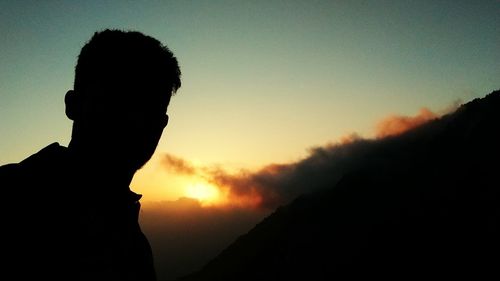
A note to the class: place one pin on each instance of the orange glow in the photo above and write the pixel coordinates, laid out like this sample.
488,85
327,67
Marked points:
395,125
248,201
205,193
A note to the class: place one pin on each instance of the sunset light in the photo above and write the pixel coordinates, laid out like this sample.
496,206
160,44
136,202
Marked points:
203,192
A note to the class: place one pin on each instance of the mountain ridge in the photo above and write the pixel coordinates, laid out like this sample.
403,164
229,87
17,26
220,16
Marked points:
424,202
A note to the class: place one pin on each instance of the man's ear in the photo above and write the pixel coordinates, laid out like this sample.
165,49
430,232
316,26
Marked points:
165,122
72,101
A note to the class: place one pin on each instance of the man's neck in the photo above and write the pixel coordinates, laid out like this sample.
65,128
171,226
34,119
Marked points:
99,168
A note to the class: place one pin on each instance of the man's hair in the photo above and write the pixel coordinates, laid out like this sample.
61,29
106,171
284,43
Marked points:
107,58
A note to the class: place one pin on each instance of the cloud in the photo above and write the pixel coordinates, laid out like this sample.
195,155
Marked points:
397,124
177,164
352,137
278,184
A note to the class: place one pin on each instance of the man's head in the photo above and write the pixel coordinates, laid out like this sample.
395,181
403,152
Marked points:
123,85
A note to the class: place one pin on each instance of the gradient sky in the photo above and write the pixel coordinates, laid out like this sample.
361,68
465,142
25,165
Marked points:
263,81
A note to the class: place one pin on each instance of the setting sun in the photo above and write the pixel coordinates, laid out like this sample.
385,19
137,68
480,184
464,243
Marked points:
203,192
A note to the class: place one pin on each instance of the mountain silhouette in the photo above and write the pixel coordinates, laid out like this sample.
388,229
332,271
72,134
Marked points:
422,204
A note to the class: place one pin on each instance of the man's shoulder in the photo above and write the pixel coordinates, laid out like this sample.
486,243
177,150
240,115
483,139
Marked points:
8,169
50,153
39,160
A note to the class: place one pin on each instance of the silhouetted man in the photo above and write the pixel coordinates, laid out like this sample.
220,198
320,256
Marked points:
68,213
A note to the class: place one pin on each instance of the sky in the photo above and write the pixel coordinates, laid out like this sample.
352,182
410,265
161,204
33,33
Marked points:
264,83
